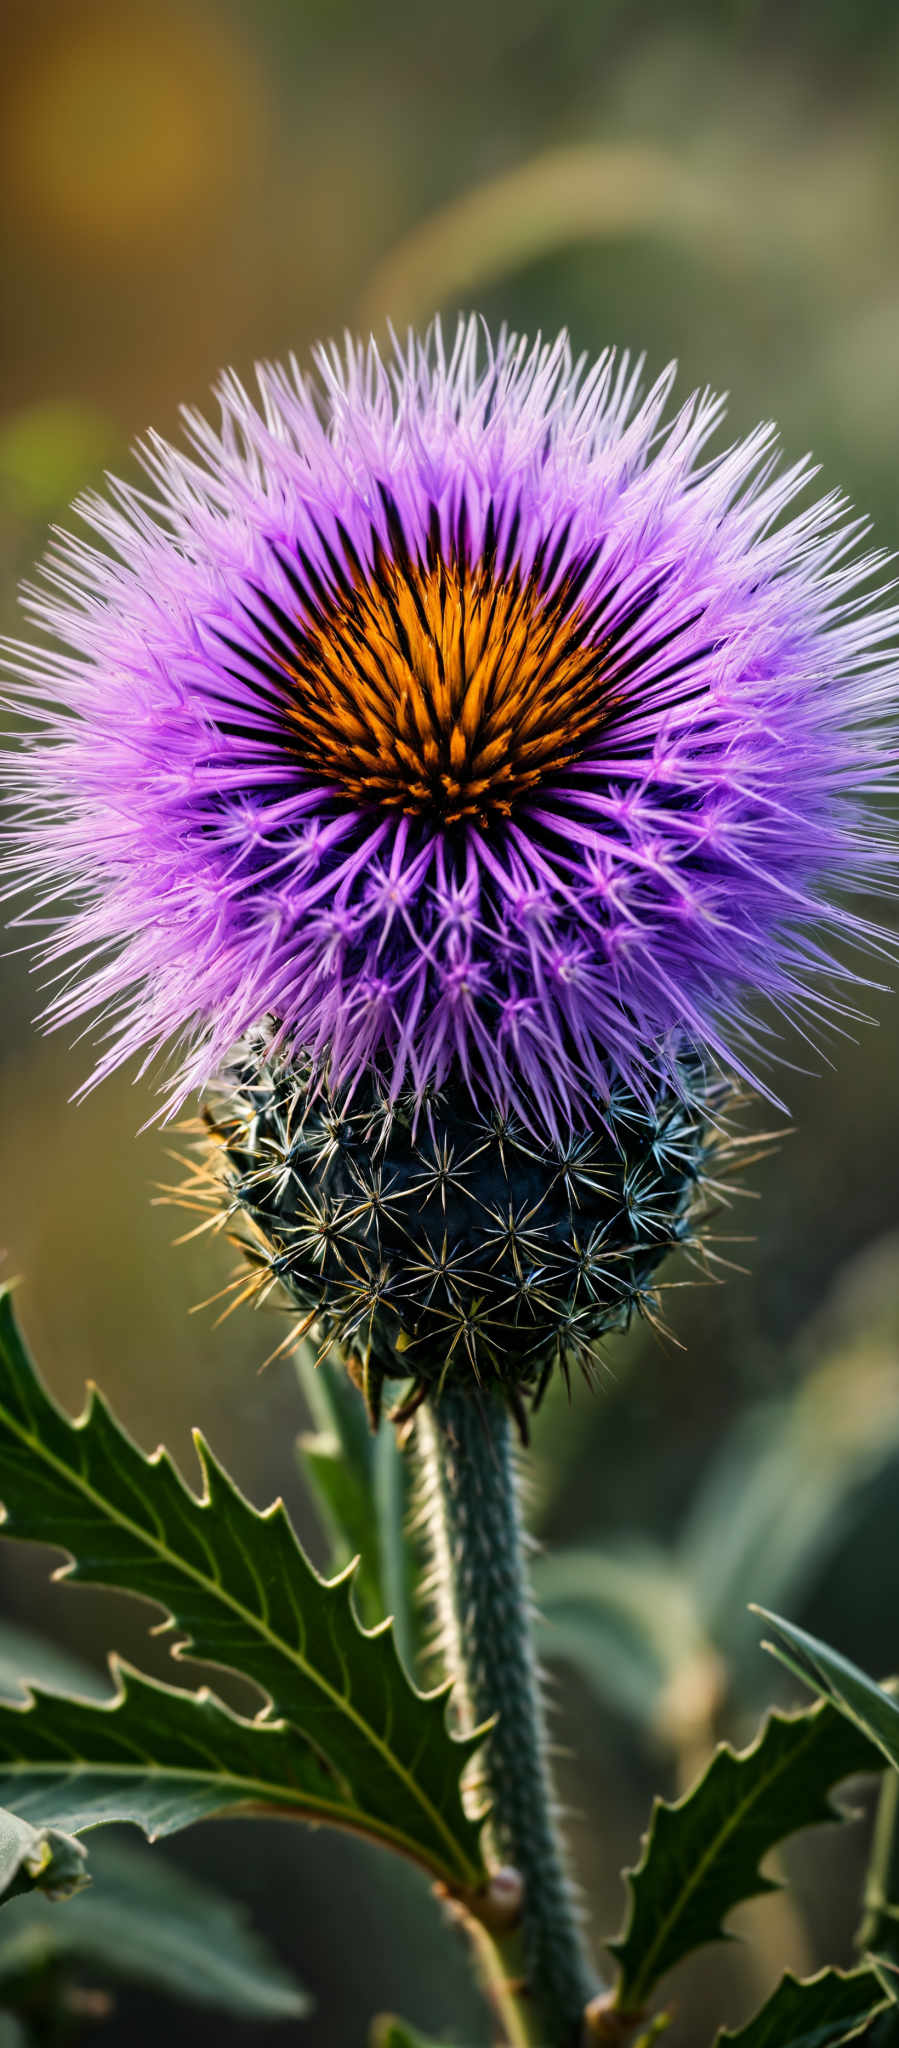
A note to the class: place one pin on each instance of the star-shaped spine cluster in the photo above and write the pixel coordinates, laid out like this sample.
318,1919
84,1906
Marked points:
428,1239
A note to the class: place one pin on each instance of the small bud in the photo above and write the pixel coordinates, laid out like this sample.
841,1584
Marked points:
499,1907
606,2027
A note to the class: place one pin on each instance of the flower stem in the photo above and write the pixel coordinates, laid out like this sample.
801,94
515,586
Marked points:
484,1610
879,1930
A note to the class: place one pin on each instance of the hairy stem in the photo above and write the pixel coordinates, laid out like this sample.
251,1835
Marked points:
484,1610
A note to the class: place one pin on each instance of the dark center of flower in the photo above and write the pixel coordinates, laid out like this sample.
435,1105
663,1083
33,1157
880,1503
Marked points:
445,687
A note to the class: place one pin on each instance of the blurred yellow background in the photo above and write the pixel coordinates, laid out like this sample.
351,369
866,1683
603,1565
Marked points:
184,186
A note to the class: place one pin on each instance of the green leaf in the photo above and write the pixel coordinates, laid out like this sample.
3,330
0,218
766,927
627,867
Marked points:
361,1484
39,1857
389,2032
624,1618
144,1920
397,1546
246,1598
885,2030
819,2013
887,1973
158,1757
702,1854
337,1459
866,1704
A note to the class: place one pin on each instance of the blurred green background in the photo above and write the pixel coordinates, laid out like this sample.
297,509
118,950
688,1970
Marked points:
188,185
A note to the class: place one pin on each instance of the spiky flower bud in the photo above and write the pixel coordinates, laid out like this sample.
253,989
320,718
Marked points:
430,1240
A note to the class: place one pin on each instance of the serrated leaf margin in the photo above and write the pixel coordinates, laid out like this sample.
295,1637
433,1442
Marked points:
636,1985
825,1980
461,1867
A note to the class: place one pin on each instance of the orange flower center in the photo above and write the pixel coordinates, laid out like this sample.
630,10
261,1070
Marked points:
439,688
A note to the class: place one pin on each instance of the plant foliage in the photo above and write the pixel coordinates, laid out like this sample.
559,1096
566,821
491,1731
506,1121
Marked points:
39,1857
702,1853
343,1736
822,2012
142,1920
870,1707
389,2032
361,1485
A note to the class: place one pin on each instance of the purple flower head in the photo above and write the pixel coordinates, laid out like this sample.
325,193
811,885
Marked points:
463,717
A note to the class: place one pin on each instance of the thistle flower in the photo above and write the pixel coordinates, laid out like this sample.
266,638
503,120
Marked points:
463,717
